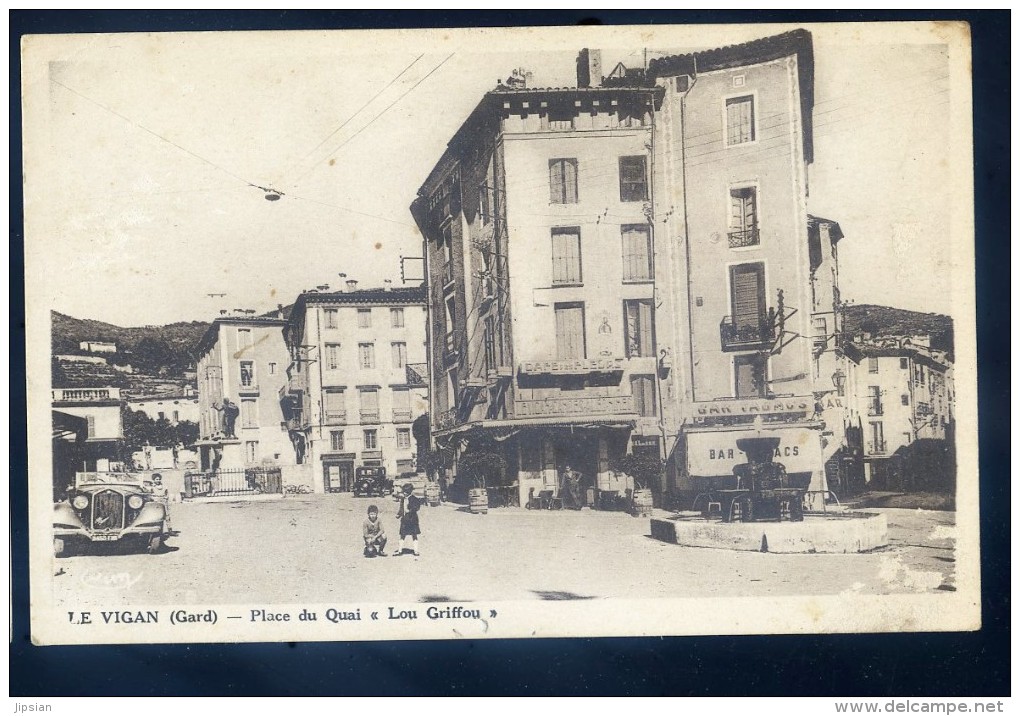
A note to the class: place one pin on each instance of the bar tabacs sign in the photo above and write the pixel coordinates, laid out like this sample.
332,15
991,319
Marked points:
711,454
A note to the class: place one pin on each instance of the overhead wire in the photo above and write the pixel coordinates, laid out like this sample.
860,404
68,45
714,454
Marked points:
361,109
152,132
374,119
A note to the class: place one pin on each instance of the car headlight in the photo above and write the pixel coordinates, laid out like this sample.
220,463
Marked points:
135,502
80,502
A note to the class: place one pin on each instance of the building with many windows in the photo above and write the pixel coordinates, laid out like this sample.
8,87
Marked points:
624,266
353,384
902,392
242,364
541,278
733,145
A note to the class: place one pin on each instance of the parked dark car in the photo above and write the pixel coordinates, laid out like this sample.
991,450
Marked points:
369,481
109,507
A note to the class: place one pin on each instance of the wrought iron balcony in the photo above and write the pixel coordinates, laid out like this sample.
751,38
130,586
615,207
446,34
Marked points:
743,237
876,448
370,416
401,416
749,335
875,409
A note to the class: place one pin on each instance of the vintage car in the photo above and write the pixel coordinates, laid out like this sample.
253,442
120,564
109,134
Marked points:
109,507
370,481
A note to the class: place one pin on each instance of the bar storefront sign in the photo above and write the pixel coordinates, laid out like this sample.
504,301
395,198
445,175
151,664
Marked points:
710,454
760,406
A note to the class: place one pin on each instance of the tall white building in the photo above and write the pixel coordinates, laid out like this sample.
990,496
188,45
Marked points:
355,381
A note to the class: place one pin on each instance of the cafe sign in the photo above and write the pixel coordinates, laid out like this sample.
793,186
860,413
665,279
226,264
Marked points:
574,407
715,453
758,406
574,366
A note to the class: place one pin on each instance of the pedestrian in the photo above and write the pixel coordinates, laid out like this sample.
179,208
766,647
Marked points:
408,514
161,494
374,534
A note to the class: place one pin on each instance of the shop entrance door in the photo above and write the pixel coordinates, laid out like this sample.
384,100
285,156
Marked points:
338,476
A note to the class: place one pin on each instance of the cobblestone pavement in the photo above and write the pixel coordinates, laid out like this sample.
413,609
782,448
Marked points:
309,549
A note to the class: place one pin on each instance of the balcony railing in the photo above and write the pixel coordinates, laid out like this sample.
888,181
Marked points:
743,237
401,416
336,418
86,394
876,447
369,416
875,409
747,335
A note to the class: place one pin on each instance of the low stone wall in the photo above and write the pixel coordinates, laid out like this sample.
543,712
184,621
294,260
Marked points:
843,533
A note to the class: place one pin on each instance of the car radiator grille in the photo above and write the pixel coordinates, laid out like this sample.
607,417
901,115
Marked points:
108,511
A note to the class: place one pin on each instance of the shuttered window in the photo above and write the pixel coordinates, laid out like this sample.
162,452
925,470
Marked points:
398,353
366,355
747,283
334,405
569,330
749,376
563,181
739,120
643,389
633,179
638,328
637,252
566,255
249,414
332,356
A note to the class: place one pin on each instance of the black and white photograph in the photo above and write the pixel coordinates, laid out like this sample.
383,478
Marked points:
501,332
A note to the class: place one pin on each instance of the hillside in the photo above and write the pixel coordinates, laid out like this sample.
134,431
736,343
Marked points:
888,321
154,350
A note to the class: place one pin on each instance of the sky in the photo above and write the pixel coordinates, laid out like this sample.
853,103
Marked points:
145,154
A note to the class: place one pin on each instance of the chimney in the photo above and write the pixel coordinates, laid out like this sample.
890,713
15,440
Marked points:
589,68
352,284
387,284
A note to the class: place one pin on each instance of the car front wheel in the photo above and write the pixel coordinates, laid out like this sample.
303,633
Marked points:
155,544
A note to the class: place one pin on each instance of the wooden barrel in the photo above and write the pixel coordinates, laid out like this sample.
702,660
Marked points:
432,493
641,503
478,501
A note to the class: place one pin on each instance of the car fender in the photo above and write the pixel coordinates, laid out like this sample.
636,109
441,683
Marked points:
150,514
64,515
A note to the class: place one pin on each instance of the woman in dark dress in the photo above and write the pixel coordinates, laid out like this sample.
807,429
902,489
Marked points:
408,514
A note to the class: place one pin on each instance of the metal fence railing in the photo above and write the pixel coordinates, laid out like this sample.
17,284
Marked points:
238,483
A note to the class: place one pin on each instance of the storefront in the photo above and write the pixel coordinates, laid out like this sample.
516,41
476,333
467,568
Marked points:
711,453
707,449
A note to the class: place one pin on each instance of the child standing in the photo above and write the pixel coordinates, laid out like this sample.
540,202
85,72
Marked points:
408,514
374,534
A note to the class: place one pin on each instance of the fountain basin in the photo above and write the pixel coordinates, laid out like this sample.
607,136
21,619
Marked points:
832,533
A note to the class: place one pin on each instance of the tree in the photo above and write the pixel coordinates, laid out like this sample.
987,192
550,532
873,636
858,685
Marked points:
645,469
481,467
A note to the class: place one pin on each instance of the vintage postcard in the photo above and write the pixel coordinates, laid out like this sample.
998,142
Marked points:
530,332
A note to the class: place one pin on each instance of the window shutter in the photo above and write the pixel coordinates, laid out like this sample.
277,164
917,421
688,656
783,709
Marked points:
748,289
645,323
556,182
